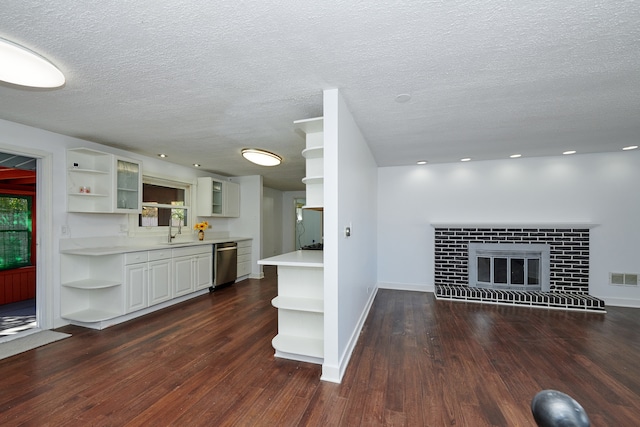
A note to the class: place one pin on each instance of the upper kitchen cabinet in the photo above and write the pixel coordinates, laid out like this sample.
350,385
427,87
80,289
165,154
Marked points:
314,155
102,183
128,186
217,198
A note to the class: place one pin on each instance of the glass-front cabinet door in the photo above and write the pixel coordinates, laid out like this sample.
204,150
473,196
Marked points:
128,186
216,197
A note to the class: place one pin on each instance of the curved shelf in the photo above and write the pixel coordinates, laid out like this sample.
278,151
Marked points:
313,180
91,284
312,125
91,315
299,345
90,171
88,194
298,304
313,152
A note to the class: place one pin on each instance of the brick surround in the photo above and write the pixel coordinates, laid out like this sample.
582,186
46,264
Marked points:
569,266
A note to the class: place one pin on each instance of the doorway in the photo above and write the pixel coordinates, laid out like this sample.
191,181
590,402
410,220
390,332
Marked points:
308,225
18,248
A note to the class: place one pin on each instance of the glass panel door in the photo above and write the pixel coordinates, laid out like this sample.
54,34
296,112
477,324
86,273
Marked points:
216,197
128,177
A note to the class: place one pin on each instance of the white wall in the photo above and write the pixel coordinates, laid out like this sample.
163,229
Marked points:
596,188
19,138
272,222
350,200
250,222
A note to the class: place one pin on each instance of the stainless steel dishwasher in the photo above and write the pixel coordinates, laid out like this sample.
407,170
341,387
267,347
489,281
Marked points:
225,266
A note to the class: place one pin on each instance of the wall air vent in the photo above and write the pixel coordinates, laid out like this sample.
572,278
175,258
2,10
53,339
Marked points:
623,279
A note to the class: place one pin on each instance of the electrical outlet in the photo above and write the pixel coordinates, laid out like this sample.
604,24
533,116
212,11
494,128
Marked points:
64,230
124,228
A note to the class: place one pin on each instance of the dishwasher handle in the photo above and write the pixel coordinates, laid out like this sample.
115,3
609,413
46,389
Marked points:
233,248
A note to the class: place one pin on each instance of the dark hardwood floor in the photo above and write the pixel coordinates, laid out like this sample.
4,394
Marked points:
419,362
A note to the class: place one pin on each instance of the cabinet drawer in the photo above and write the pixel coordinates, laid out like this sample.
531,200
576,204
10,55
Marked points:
192,250
135,257
244,258
244,251
160,254
244,244
244,268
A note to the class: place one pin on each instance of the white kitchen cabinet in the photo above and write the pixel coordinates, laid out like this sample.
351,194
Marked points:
147,278
92,287
99,286
314,163
203,270
216,198
244,258
160,283
136,281
193,268
102,182
128,185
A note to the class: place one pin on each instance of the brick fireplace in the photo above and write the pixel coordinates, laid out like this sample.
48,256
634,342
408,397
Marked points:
568,266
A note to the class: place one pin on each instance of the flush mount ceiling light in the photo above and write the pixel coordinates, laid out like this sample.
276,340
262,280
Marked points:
22,67
631,147
162,155
422,162
515,156
569,152
261,157
466,159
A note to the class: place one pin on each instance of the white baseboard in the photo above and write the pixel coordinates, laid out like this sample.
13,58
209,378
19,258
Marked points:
335,373
407,287
620,302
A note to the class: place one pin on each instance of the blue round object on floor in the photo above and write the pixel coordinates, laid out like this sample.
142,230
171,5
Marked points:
552,408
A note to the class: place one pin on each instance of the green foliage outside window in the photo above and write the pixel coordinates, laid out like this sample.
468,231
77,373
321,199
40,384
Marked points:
15,231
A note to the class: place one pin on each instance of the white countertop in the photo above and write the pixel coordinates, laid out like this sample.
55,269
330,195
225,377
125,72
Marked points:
303,258
119,249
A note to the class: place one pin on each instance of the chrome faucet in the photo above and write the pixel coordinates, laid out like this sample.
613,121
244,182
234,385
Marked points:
173,236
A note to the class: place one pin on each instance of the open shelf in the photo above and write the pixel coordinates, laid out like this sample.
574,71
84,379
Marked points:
299,345
298,304
313,180
313,152
91,315
91,284
88,171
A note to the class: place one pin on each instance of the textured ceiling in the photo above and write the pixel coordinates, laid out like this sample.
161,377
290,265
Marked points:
201,80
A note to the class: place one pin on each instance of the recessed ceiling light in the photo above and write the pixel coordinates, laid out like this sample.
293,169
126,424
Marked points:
570,152
197,165
515,156
162,155
20,66
422,162
631,147
466,159
403,97
261,157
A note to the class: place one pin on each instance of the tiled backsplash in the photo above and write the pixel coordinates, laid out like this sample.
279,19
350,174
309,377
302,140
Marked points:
569,254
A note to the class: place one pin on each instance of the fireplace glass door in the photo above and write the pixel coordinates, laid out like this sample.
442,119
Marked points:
508,271
516,267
